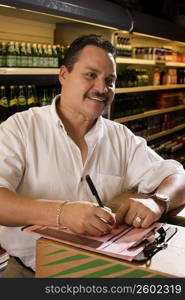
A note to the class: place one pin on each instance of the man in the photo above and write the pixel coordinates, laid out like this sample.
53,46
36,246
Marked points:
46,153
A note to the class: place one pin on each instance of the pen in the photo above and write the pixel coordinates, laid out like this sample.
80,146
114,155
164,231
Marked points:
93,190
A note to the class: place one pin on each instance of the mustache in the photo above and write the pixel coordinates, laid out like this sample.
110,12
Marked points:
101,96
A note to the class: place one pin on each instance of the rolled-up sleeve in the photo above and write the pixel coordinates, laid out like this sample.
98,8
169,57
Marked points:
145,168
12,155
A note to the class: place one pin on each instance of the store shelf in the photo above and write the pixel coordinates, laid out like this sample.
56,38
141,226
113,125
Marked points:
149,88
175,64
149,114
134,61
29,71
165,132
151,62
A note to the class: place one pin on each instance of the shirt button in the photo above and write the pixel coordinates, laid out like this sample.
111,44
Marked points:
81,179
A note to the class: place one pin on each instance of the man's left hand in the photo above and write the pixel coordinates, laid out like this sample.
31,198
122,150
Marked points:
140,211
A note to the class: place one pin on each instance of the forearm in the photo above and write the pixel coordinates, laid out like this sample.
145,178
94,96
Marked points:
80,217
17,210
173,186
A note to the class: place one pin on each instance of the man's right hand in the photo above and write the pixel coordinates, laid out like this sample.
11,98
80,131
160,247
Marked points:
87,218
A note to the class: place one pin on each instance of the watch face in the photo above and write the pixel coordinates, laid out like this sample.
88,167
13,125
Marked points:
161,197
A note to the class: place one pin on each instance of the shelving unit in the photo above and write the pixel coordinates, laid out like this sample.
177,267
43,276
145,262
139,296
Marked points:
147,122
149,114
165,132
154,113
153,63
135,61
149,88
175,64
29,71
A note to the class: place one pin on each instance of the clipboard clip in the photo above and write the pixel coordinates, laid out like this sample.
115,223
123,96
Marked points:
160,239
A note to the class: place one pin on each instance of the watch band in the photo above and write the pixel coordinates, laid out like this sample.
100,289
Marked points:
160,198
163,199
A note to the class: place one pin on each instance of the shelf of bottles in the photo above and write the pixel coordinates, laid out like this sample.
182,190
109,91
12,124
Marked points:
150,113
158,126
16,57
162,114
127,54
129,107
131,80
172,147
166,132
142,69
22,97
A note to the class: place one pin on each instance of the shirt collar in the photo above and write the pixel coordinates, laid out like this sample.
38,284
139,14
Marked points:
54,113
96,130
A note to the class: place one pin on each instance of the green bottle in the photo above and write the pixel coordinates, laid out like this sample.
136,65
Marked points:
12,100
55,57
29,55
35,56
4,54
11,55
46,56
18,55
4,112
50,56
60,53
44,99
24,57
31,97
22,103
40,56
1,55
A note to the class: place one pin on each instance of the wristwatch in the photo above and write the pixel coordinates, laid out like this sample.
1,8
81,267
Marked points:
163,199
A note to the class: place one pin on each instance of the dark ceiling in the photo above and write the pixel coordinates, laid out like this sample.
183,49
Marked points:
169,10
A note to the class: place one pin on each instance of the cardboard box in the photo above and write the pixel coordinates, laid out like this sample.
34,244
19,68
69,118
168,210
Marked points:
58,260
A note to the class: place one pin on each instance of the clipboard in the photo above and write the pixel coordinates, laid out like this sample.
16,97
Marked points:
126,242
160,242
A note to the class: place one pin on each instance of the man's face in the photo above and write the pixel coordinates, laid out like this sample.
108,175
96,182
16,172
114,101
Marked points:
90,86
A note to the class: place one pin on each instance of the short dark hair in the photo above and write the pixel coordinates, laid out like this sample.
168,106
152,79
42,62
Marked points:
73,52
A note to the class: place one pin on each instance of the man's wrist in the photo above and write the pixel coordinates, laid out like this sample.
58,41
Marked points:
163,200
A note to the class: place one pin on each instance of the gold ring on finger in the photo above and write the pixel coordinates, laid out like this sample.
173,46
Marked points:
139,219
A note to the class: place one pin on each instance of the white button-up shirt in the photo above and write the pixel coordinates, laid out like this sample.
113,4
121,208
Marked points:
38,159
